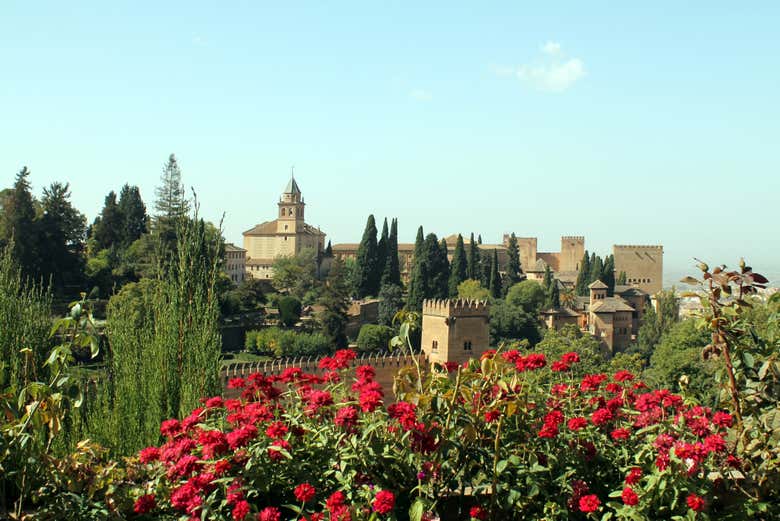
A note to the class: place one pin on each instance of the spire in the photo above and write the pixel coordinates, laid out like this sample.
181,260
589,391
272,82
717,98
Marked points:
292,186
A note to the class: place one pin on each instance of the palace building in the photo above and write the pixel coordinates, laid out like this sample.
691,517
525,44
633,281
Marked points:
285,236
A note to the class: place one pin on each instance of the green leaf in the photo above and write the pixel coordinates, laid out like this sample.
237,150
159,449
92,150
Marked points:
501,466
748,359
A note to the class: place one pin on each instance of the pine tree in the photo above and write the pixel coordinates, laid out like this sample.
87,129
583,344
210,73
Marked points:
474,269
62,229
366,281
172,205
495,277
392,271
458,268
133,211
419,275
381,253
107,228
608,275
21,228
581,287
513,268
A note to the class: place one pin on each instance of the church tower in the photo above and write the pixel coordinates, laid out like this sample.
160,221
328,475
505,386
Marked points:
291,208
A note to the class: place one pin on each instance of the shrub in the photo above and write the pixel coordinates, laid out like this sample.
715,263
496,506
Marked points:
274,341
289,310
374,338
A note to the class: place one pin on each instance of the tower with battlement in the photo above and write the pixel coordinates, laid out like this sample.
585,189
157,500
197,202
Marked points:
455,330
572,251
643,264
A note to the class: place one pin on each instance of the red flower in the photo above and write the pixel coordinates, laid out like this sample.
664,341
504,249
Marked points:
221,467
577,423
346,417
144,504
214,402
491,416
241,436
269,514
478,513
335,501
592,382
548,430
629,496
304,492
714,443
601,416
722,419
273,450
236,383
620,434
622,376
365,372
571,357
149,454
276,430
240,511
384,502
370,400
695,503
634,476
170,428
589,503
559,366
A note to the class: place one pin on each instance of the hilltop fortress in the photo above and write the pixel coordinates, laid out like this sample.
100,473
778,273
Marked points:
289,234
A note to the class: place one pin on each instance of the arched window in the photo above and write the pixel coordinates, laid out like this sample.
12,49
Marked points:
467,345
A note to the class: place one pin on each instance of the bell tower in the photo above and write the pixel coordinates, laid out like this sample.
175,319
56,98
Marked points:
291,207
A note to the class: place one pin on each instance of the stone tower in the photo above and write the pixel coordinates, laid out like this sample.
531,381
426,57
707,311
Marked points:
572,251
455,330
643,265
291,208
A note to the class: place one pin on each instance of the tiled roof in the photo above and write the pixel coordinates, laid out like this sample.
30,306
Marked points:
568,312
597,284
610,305
229,246
271,227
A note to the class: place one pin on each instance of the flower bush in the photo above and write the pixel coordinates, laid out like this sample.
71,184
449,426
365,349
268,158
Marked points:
510,436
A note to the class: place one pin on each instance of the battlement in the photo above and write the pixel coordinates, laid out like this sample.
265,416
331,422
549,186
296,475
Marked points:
578,238
644,247
455,308
527,240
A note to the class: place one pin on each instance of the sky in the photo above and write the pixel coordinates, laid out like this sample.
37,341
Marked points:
628,124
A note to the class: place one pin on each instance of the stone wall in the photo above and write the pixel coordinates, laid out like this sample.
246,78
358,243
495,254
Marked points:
643,264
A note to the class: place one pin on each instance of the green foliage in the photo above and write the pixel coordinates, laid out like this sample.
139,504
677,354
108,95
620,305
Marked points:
61,229
171,205
436,267
679,354
20,227
527,294
382,252
248,297
391,273
335,301
510,323
391,301
471,289
474,259
289,310
133,212
278,342
107,228
297,274
656,324
608,275
581,286
569,339
458,268
374,338
368,271
622,279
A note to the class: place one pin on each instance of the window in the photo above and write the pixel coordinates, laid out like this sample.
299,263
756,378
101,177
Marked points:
435,345
285,226
467,345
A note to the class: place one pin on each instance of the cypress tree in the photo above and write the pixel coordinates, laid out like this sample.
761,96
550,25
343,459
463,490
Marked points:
548,281
458,268
133,212
437,268
622,279
440,282
495,277
554,300
329,250
581,287
366,281
479,239
474,269
392,271
596,270
419,275
381,254
608,275
513,269
592,263
335,301
486,263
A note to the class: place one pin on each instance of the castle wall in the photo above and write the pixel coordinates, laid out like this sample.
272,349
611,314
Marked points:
643,266
572,251
527,247
454,330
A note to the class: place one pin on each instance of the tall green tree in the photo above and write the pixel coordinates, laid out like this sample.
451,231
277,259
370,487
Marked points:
329,250
296,275
608,275
107,228
335,302
486,263
418,279
62,228
553,300
381,253
513,268
367,259
622,279
495,277
458,268
133,212
596,269
548,280
172,204
391,301
21,227
656,323
581,286
392,271
438,267
474,268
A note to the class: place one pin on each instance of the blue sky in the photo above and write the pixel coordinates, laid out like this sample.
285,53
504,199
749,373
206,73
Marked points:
654,124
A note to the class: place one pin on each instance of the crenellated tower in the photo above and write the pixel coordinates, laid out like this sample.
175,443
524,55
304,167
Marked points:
455,330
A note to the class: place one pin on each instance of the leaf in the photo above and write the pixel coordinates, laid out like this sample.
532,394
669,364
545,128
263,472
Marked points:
748,359
690,281
501,466
416,510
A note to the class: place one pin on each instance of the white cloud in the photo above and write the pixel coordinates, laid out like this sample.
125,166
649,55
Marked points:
551,48
554,72
421,95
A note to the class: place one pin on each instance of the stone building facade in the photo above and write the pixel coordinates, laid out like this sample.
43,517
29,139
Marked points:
235,263
455,330
643,265
285,236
